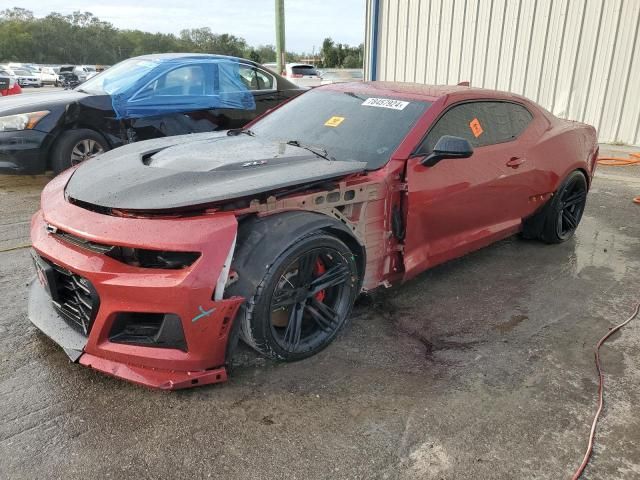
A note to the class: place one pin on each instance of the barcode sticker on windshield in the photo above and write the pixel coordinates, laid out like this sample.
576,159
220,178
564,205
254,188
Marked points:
385,103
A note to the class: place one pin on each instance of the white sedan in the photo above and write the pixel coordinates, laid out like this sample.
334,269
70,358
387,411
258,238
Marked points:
48,76
27,78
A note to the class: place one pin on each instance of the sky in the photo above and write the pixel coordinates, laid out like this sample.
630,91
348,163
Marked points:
308,22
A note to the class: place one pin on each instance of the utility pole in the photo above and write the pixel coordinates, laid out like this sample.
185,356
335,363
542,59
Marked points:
280,48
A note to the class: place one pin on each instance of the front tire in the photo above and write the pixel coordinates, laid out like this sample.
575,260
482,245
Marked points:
75,146
302,300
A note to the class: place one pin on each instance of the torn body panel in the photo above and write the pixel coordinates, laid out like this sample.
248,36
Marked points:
123,289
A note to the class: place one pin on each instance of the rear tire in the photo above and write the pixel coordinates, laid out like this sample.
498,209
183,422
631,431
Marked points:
562,215
287,316
75,146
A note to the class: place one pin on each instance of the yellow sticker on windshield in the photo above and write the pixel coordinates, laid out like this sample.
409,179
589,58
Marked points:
334,121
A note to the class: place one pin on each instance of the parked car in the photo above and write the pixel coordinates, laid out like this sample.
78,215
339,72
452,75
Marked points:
85,72
48,76
68,79
8,83
155,257
27,78
138,99
302,74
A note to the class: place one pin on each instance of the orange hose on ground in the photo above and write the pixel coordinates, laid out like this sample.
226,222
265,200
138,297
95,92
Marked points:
592,433
634,159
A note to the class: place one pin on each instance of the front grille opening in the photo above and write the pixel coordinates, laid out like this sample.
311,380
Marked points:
148,330
82,243
75,299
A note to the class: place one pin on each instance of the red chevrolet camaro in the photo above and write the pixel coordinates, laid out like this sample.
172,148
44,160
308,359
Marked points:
154,258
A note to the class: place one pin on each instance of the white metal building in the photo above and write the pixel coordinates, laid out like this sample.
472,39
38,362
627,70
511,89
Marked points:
579,59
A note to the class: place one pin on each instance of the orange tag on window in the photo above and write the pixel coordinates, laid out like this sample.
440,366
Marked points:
476,128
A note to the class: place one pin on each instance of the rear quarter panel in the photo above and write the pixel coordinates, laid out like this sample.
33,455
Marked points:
566,146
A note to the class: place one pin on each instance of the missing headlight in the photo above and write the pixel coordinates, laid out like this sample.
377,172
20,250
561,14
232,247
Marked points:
138,257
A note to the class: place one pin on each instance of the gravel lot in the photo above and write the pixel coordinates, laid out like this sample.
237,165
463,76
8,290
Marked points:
481,368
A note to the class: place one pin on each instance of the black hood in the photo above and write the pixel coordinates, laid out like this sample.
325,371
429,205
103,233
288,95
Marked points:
41,101
198,169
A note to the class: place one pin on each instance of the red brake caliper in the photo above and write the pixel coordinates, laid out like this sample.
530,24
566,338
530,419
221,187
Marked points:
319,270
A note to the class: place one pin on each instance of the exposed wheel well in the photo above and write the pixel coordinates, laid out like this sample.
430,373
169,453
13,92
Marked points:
293,225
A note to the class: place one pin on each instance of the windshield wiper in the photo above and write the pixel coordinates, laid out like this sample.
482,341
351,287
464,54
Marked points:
237,131
319,151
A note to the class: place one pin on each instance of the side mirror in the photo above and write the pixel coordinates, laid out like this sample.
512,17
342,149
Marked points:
448,147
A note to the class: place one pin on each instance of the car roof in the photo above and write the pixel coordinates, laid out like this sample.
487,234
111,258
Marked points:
169,56
426,92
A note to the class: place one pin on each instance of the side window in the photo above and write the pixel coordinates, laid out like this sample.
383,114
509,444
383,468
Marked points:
520,118
190,80
265,81
480,123
187,80
248,77
255,79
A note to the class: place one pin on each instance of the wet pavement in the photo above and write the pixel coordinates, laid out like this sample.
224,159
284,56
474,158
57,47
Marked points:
480,368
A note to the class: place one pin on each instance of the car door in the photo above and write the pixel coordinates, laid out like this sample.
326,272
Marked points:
178,89
264,89
459,205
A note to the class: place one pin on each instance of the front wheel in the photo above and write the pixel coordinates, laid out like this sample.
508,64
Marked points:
565,209
75,146
303,299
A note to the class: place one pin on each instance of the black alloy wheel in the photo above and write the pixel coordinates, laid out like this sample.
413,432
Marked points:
297,302
310,299
572,202
561,216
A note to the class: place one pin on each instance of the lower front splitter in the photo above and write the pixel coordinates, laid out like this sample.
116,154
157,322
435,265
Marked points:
153,377
44,316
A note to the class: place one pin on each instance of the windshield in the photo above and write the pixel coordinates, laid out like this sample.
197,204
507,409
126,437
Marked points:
349,126
124,73
304,70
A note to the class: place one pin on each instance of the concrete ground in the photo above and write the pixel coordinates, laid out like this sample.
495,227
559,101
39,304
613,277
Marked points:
481,368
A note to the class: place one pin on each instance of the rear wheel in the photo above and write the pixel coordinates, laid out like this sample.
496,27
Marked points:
303,299
563,215
75,146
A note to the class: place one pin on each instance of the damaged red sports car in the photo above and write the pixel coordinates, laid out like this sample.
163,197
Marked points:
154,258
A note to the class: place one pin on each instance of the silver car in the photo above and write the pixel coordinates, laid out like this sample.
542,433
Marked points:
26,78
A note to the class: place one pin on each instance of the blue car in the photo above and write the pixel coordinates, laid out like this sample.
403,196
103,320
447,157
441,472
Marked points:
138,99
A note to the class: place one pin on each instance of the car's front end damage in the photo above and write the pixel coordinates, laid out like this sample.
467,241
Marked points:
157,324
140,293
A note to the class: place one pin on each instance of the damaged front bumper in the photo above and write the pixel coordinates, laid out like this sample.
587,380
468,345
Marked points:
162,328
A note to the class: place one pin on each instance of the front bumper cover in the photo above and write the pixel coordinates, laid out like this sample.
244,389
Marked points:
124,288
21,152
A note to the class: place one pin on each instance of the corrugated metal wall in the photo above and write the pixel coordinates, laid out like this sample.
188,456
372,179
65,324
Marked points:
578,58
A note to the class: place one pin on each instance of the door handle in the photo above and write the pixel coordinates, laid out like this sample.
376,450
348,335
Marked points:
515,162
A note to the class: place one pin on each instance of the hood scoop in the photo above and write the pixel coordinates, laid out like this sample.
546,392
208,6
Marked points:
192,170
